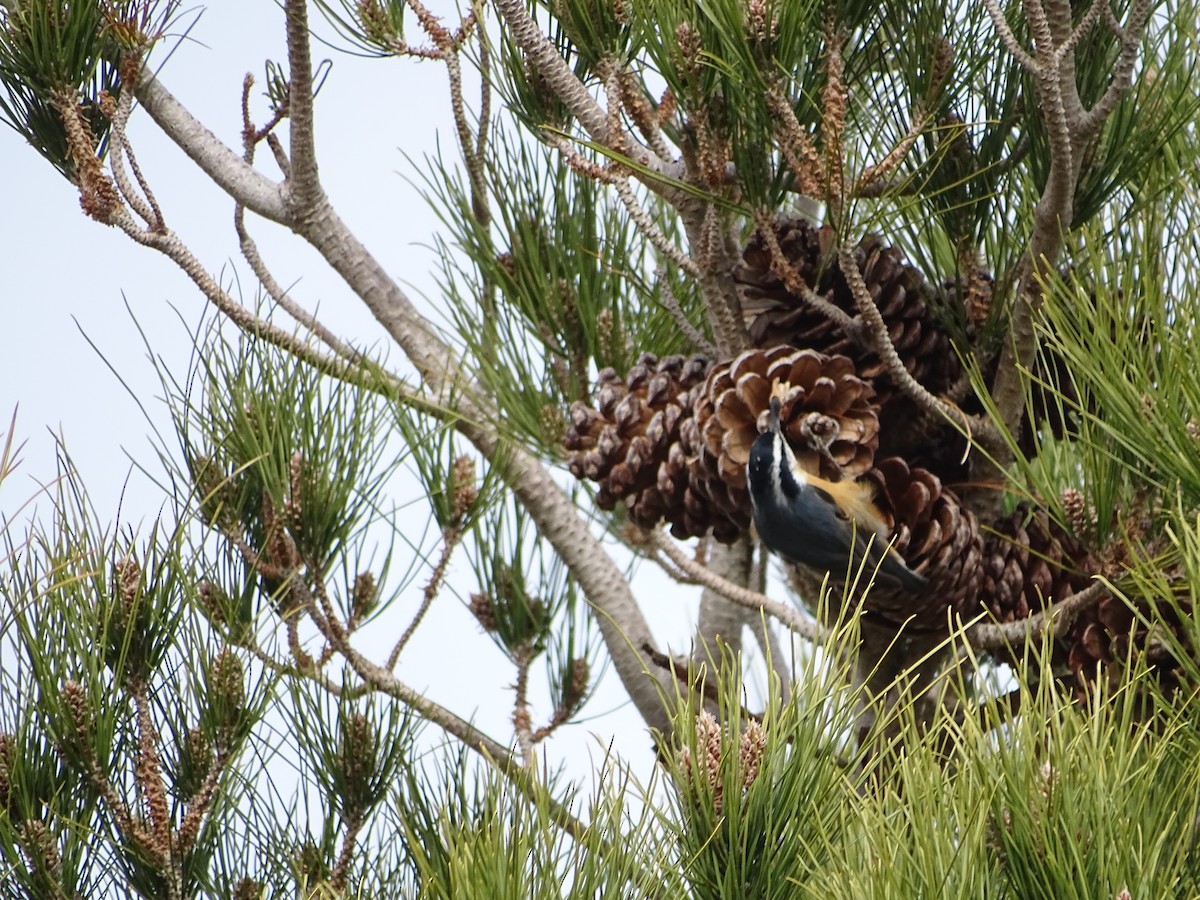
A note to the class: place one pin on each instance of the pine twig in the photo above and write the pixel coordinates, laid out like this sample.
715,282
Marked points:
782,267
450,541
671,304
993,636
883,346
791,618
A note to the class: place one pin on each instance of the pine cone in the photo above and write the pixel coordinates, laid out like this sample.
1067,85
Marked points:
775,315
628,437
826,414
1029,562
1108,637
937,536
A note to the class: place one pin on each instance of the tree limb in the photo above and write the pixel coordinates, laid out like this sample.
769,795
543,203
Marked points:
791,618
231,173
993,636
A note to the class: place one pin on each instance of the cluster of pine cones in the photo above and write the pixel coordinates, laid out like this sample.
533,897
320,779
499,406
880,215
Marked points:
670,440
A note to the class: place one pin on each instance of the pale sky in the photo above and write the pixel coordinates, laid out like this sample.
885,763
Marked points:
67,276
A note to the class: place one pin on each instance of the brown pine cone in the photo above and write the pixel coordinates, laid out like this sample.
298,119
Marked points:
1109,637
623,441
1029,562
826,413
936,536
772,313
775,315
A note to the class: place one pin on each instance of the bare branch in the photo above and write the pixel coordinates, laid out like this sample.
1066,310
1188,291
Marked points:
251,136
991,636
253,190
169,244
791,618
1122,79
780,265
619,619
142,203
882,344
671,304
304,183
522,721
559,77
650,230
450,542
720,621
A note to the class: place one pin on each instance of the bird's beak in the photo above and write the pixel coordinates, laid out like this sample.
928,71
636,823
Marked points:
773,423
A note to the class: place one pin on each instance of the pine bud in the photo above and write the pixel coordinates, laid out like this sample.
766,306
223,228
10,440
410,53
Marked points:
79,711
8,758
195,763
358,758
483,610
366,593
227,689
751,747
462,477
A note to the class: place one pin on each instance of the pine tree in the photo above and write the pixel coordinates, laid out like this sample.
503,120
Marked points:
953,239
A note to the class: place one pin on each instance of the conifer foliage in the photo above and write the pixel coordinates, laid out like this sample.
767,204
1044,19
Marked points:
954,239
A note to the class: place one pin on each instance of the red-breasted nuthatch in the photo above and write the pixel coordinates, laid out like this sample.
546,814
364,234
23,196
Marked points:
820,523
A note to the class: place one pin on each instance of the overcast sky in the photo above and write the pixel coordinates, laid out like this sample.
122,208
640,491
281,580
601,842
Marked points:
68,280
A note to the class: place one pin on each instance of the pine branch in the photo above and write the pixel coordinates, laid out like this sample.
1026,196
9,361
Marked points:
303,183
226,168
736,593
720,622
1060,615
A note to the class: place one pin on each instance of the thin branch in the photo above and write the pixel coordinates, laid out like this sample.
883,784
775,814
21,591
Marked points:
485,90
341,870
879,173
450,540
791,618
1008,38
304,183
1130,38
650,230
993,636
169,244
469,145
797,147
522,721
671,304
634,100
149,778
143,203
882,344
702,225
796,285
562,82
251,137
200,802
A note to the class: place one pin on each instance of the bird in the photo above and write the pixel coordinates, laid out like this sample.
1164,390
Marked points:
819,523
